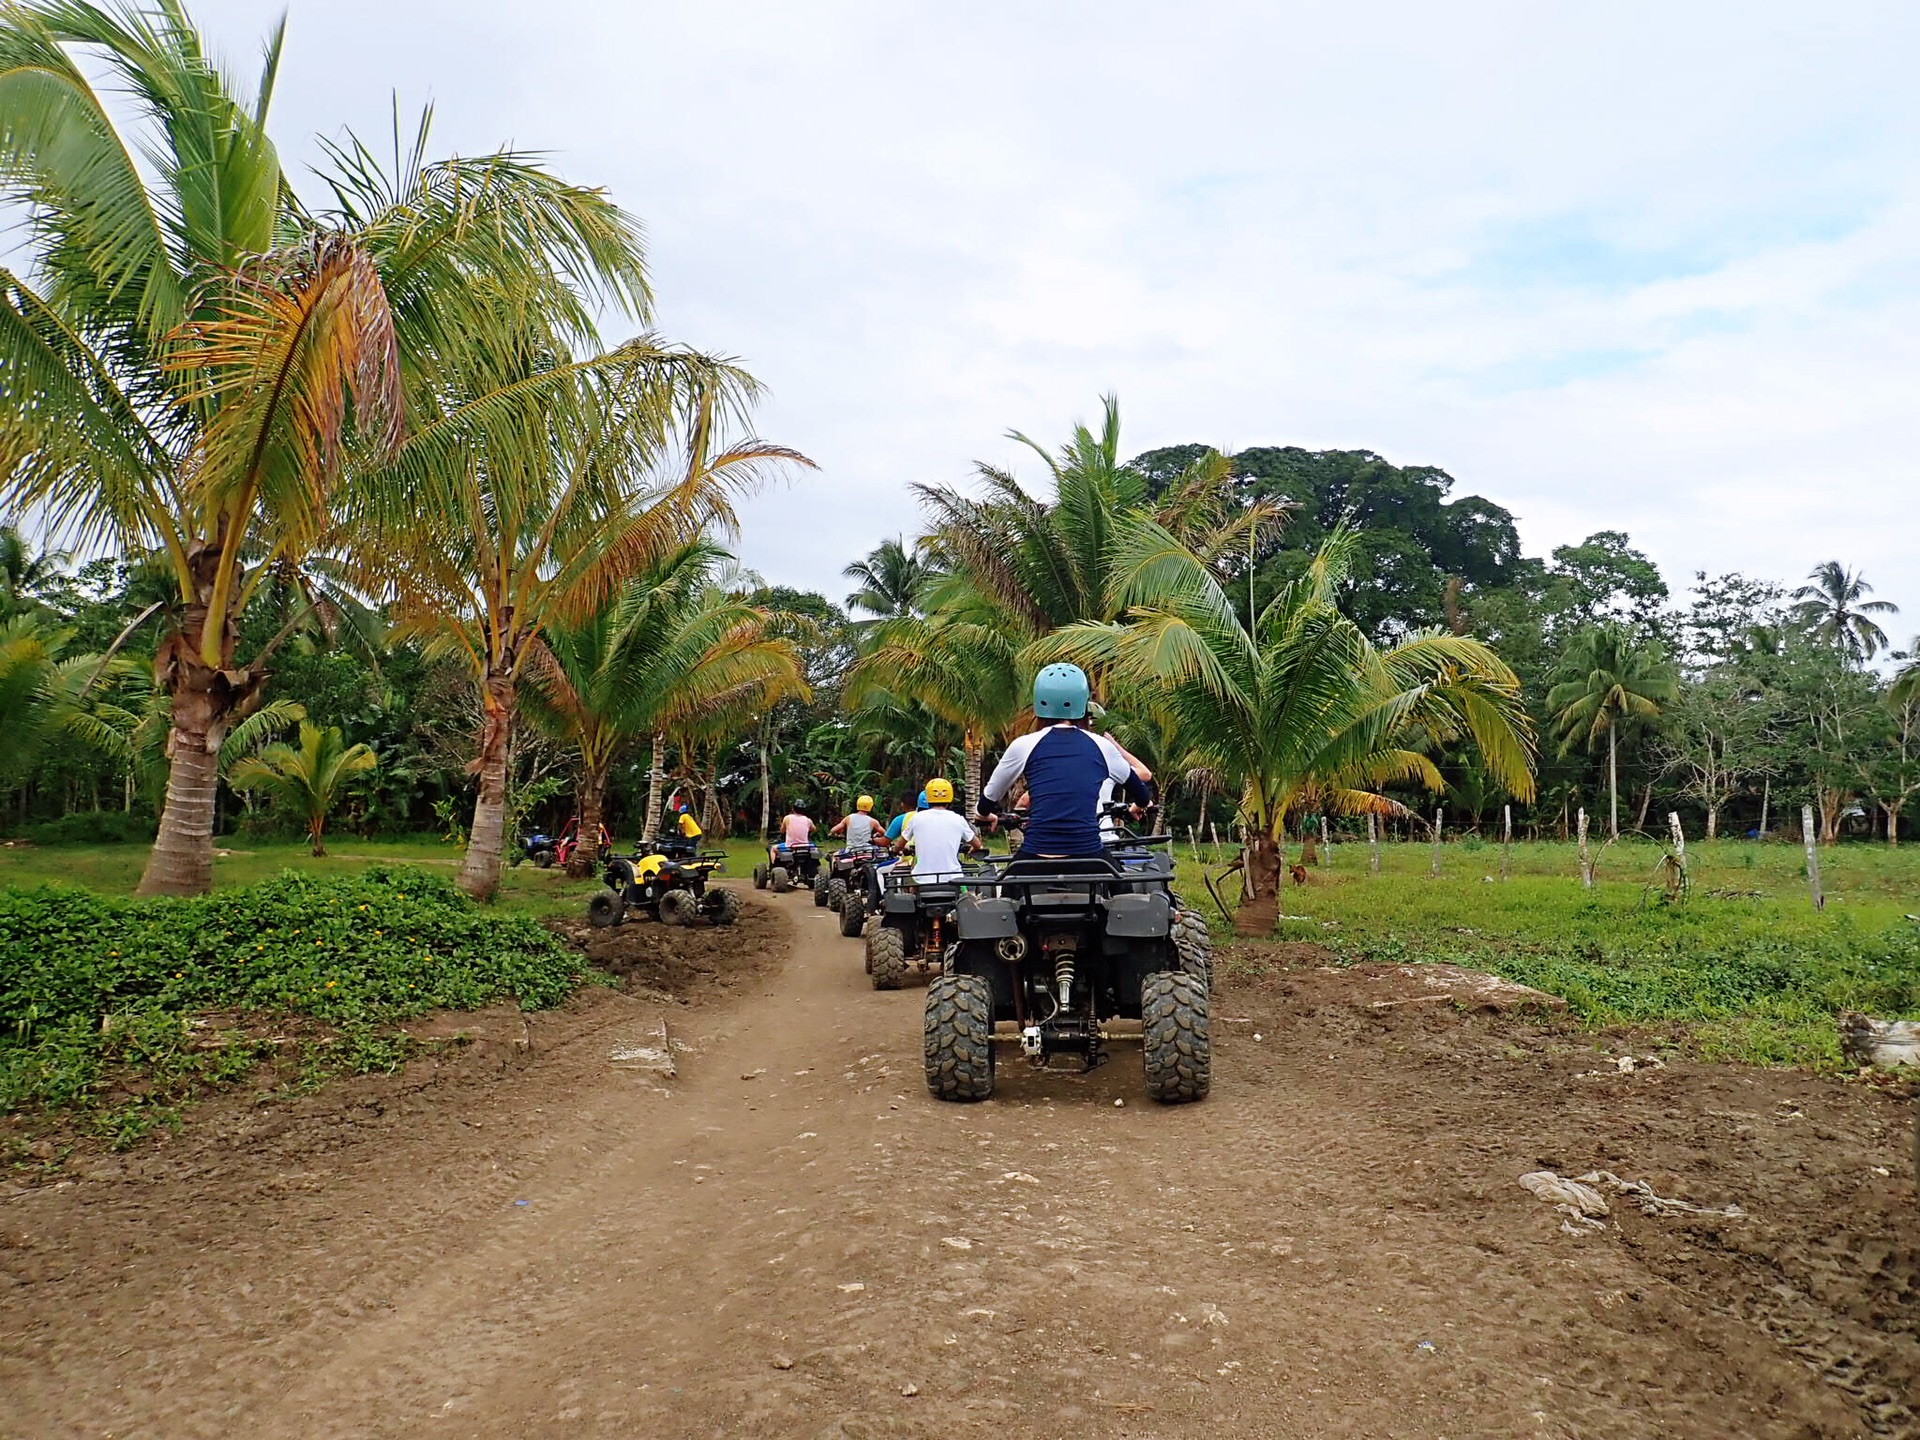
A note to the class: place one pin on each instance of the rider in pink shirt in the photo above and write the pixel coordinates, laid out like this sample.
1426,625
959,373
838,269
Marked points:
795,829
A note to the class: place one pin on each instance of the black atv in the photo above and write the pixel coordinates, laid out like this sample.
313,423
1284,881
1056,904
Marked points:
668,882
798,864
916,930
1064,952
849,876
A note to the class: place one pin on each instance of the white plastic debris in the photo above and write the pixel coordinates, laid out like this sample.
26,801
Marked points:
957,1242
1557,1191
852,1288
1579,1200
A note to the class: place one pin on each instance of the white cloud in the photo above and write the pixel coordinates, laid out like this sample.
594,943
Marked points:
1640,266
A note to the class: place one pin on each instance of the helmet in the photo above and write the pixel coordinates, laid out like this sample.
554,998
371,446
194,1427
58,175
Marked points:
799,807
921,803
1060,692
939,792
863,804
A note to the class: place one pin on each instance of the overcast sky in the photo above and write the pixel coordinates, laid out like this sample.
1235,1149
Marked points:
1653,267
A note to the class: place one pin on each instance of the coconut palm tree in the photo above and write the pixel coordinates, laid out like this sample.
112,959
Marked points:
22,570
1608,681
662,658
46,692
893,581
309,778
1834,609
194,354
1905,689
1300,712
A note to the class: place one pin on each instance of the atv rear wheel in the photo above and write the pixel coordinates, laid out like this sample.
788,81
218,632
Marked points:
887,958
820,887
1177,1045
1195,945
606,908
723,906
781,880
853,915
678,907
543,857
836,894
958,1037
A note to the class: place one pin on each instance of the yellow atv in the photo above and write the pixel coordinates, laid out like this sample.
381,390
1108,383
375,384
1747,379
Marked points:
670,885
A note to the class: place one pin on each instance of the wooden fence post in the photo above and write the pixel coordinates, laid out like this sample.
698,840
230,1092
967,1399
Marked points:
1813,856
1439,829
1679,837
1213,834
1373,843
1506,840
1326,846
1586,863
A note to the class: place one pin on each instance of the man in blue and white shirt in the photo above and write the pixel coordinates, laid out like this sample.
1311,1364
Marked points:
1067,769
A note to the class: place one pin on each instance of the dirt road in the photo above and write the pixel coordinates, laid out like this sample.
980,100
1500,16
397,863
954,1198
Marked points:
789,1238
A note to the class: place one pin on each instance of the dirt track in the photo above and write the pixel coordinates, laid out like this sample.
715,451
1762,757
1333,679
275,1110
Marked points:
790,1239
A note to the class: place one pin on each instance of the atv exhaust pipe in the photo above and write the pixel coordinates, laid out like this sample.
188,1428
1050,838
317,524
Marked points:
1011,948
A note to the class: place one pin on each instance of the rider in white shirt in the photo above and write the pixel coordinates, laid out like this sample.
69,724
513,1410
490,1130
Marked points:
937,835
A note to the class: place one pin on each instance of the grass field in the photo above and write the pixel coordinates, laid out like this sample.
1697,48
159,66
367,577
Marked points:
1742,966
1743,962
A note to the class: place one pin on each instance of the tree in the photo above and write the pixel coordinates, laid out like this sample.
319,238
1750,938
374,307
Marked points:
46,692
1713,739
1300,711
1906,680
893,580
307,779
1891,772
664,657
1608,681
1833,607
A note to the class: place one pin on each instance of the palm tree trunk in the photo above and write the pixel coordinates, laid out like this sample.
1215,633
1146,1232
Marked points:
1613,783
480,872
1646,804
316,827
655,774
1259,908
766,785
976,757
589,802
204,705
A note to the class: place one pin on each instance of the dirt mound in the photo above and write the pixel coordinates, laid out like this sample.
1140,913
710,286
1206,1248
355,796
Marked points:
682,961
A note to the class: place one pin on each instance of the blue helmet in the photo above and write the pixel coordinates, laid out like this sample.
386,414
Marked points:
921,803
1060,692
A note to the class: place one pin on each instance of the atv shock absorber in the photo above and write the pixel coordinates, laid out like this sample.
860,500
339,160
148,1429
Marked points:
1063,978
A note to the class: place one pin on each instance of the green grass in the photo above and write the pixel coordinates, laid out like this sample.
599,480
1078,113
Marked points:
1743,966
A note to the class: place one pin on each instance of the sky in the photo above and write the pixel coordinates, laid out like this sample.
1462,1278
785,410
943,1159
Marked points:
1649,267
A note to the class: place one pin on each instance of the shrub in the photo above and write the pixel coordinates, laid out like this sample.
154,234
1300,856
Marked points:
93,981
91,827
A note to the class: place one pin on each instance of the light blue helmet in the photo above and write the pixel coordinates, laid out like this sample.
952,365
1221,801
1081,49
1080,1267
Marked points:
921,803
1060,692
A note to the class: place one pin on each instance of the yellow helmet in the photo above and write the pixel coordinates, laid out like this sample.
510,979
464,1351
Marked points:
939,792
863,804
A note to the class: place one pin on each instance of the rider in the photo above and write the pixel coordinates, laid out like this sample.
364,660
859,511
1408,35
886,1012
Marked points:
899,822
795,829
688,840
1067,768
937,834
860,828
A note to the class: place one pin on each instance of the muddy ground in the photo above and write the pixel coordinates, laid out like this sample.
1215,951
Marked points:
786,1237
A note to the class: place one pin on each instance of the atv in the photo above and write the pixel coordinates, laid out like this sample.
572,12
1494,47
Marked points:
799,863
569,839
538,848
916,929
846,874
671,887
1064,953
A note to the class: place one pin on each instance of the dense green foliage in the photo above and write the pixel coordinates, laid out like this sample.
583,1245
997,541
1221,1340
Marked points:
94,982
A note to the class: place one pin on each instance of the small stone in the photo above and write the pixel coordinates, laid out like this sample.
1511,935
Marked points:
958,1242
910,1390
852,1288
1119,1104
782,1362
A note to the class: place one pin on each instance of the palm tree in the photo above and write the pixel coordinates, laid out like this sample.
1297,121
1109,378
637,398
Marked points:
308,778
1300,712
1833,608
22,571
196,354
45,692
893,580
1905,689
663,657
544,485
1608,680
